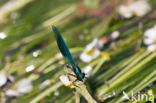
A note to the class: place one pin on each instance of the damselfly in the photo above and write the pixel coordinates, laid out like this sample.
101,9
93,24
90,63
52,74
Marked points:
66,53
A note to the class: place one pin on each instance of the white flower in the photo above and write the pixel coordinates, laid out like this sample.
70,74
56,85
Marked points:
86,57
137,8
95,43
150,38
115,34
12,93
88,69
36,53
125,11
3,79
24,86
140,7
45,84
65,80
30,68
149,41
151,48
3,35
21,87
91,52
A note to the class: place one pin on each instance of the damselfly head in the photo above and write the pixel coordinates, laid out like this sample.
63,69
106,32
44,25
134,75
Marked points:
81,76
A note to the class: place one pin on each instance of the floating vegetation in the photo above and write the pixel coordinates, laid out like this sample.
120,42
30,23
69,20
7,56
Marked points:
112,41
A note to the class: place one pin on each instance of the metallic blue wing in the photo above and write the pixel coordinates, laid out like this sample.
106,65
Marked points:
63,46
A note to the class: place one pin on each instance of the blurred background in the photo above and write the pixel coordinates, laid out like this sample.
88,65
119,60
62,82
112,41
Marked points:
113,41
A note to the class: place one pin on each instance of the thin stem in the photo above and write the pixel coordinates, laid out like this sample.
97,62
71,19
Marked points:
80,87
